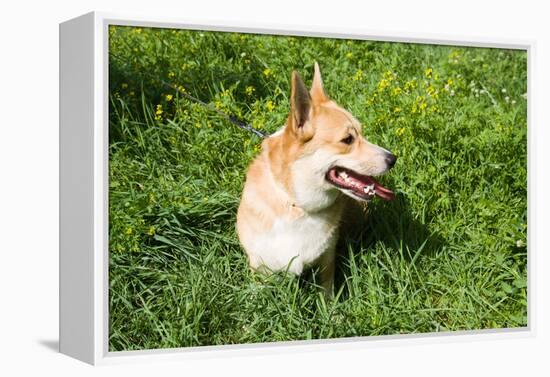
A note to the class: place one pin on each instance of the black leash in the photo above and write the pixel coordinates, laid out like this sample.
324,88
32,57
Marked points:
231,118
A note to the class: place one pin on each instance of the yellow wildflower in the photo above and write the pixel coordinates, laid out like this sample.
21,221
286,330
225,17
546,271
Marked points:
432,92
158,112
411,84
383,84
169,97
151,231
400,131
358,75
449,85
267,72
124,85
389,75
250,90
423,105
428,72
270,105
419,105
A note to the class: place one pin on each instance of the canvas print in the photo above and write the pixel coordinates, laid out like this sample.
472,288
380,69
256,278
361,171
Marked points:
267,188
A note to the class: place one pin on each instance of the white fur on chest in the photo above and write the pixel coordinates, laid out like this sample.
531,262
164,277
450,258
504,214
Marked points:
295,244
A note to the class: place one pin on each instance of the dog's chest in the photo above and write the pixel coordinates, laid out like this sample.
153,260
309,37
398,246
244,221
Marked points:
297,243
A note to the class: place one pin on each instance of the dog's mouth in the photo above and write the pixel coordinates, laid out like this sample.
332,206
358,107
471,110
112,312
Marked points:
363,187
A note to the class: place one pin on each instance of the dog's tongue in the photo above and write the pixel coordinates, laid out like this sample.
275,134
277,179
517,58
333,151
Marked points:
381,191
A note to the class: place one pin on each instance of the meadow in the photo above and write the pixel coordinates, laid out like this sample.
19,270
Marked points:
450,253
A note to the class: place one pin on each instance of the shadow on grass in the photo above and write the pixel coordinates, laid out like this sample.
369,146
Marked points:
394,226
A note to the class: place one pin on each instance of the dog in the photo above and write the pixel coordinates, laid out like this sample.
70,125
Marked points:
295,191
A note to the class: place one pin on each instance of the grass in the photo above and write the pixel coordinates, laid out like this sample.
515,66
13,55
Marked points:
448,254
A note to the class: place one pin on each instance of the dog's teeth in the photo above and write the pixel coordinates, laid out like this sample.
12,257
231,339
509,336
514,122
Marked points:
369,190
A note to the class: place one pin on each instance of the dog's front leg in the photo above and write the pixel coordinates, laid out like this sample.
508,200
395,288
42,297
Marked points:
326,272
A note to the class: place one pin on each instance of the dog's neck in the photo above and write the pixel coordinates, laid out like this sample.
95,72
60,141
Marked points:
282,150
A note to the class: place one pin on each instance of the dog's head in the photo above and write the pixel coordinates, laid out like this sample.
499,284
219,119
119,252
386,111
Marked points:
333,155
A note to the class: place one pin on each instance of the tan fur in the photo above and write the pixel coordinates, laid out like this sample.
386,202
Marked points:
289,215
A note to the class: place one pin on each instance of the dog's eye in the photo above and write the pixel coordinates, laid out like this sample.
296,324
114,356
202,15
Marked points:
348,140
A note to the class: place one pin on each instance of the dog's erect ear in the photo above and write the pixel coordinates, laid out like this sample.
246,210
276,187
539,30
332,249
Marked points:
300,108
317,92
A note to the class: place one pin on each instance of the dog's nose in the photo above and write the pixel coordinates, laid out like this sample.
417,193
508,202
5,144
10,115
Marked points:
390,160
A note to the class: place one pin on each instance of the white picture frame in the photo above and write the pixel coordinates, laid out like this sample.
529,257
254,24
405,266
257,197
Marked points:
84,193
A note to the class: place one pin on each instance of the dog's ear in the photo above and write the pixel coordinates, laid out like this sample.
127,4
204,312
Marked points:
317,92
300,108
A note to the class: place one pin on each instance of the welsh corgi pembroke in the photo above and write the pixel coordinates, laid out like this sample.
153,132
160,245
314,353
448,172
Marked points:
295,192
